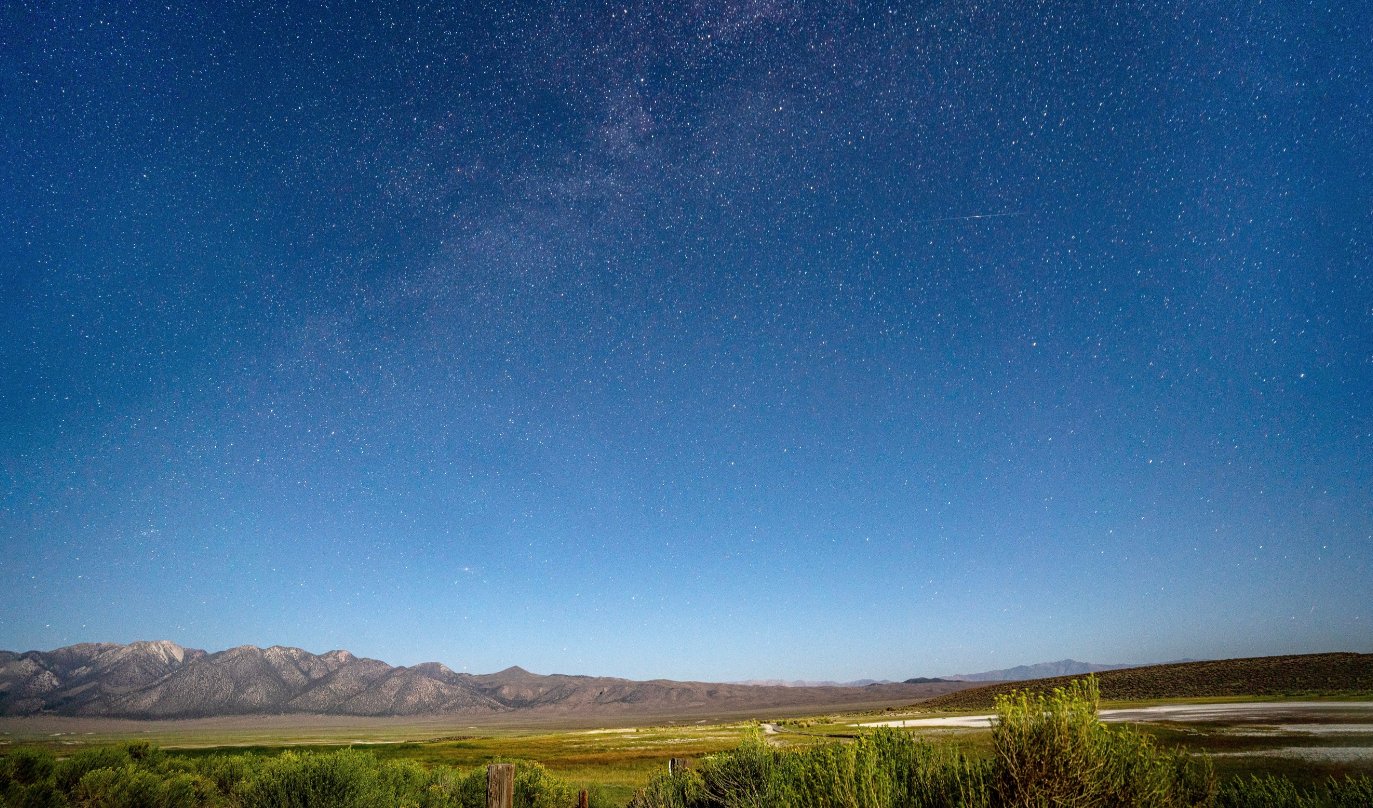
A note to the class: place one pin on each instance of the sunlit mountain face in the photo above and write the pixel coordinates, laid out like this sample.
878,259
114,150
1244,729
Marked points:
715,341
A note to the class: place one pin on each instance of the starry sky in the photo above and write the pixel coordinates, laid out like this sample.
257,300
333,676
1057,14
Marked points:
719,339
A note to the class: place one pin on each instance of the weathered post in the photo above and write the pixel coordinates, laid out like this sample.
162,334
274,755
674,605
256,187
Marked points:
583,799
500,785
678,765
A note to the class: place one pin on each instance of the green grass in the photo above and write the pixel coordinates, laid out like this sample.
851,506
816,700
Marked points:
1046,749
139,775
617,763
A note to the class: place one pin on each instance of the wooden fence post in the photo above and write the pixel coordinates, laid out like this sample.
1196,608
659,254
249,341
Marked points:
583,799
500,785
678,765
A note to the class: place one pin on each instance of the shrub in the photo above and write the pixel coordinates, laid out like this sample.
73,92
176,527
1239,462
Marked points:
26,767
887,769
70,771
36,795
740,777
681,790
343,779
126,787
536,788
226,771
1351,792
1051,750
1278,792
189,791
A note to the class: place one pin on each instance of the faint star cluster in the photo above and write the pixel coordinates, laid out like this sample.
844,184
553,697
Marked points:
869,339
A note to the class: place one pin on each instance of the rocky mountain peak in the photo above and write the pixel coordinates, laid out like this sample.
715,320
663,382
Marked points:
163,650
162,680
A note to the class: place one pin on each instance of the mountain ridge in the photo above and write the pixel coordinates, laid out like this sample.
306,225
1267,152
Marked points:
1044,670
163,680
1336,673
810,682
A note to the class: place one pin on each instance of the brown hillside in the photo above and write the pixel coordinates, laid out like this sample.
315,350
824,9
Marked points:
1300,675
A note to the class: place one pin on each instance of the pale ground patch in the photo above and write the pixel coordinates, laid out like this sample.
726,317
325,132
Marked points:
1309,712
954,721
1307,729
1313,754
1318,713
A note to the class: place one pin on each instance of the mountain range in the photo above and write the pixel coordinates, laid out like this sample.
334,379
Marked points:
1020,673
1040,670
157,680
811,682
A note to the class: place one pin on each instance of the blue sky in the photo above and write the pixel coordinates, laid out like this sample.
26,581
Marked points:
719,340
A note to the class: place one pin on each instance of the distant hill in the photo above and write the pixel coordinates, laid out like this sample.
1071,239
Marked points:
1039,670
1299,675
812,682
163,680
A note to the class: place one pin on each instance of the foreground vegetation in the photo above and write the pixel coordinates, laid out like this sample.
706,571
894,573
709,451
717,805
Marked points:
1049,750
1045,750
139,775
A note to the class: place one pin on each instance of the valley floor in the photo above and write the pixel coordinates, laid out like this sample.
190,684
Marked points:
1304,740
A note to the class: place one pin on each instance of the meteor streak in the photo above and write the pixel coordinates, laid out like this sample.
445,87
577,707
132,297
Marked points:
970,217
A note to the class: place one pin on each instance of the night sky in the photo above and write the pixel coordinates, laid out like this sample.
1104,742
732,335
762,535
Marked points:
711,340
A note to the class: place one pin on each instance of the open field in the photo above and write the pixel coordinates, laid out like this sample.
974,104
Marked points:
1311,715
1303,740
615,760
1259,731
297,729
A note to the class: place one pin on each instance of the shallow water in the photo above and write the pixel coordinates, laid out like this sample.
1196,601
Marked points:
1306,717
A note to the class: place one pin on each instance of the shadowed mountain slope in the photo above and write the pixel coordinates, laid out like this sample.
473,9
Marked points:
1039,670
1299,675
162,680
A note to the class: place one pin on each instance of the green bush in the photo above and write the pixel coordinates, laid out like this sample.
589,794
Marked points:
26,767
142,776
1051,750
227,771
127,787
1350,792
677,791
887,769
38,795
344,779
741,777
1277,792
70,771
190,791
536,788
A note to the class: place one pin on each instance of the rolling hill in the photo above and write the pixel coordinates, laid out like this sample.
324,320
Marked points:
1297,675
1039,670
